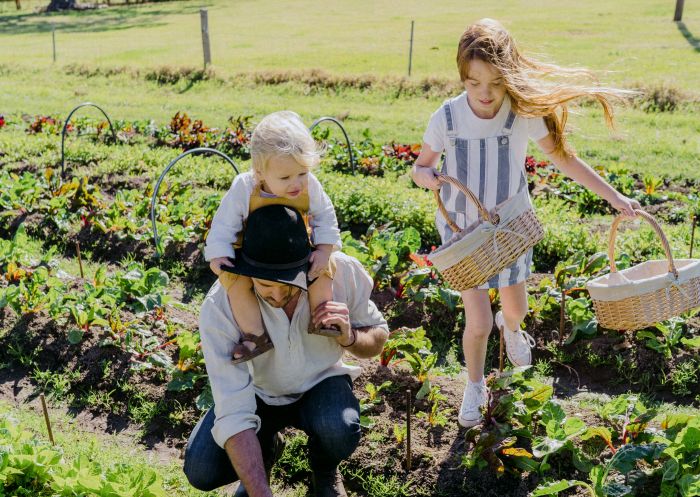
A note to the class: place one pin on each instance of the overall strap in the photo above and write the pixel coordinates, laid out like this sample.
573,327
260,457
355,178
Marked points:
451,123
508,126
302,203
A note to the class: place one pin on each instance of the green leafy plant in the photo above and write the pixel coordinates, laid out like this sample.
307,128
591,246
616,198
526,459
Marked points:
435,415
142,289
571,280
399,433
374,391
671,334
403,340
499,442
29,466
383,252
651,184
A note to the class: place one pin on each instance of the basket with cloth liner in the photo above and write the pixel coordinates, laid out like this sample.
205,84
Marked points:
486,247
647,293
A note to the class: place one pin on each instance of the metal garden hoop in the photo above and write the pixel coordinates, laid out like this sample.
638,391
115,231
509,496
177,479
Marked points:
201,150
347,140
65,127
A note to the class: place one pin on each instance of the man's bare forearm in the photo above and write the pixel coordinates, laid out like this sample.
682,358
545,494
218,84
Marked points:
369,341
244,451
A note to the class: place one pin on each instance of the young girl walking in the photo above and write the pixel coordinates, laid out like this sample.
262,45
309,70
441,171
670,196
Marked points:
509,98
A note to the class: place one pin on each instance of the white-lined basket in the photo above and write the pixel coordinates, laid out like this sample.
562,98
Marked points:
478,252
646,293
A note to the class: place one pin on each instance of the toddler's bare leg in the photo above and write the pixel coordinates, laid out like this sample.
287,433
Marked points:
245,308
321,291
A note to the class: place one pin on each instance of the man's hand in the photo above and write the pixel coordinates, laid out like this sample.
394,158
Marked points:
338,314
216,264
319,260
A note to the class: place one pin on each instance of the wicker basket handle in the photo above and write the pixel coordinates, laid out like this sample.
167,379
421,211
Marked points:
650,219
483,213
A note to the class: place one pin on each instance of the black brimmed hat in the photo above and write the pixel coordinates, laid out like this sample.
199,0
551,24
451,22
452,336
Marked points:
275,247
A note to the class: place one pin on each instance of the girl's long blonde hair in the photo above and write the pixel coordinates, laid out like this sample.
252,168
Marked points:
527,81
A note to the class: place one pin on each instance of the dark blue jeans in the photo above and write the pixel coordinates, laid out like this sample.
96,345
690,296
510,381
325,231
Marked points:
329,414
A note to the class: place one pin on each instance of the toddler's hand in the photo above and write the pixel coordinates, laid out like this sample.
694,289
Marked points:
426,177
625,205
319,261
216,264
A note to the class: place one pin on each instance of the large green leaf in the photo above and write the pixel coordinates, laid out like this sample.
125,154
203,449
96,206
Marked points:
626,457
689,485
559,486
598,431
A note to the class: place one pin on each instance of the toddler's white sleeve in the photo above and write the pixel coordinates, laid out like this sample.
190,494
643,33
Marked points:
228,220
435,133
323,222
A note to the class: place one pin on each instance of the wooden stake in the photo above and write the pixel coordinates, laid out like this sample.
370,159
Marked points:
409,409
501,349
562,317
46,418
692,235
80,260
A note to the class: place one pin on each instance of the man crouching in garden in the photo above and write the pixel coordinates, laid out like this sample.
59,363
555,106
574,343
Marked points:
302,382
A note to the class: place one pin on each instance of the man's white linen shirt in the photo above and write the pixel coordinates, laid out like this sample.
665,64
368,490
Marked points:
298,361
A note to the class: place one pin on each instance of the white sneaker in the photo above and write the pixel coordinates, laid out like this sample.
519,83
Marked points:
475,396
518,343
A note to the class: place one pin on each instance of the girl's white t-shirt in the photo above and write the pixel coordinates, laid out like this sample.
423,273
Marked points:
470,126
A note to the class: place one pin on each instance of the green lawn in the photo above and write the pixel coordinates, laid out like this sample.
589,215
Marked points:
636,42
663,144
640,44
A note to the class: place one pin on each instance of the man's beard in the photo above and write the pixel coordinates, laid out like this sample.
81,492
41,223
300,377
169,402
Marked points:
285,300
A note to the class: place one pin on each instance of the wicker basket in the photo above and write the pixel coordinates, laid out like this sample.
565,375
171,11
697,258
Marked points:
485,248
647,293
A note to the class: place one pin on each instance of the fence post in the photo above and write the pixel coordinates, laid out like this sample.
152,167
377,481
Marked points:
53,38
205,36
679,10
410,50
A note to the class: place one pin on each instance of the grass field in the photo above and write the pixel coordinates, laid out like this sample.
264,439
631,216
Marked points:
664,144
636,42
625,43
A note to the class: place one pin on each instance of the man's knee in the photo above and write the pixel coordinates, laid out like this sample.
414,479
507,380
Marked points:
206,464
199,475
339,435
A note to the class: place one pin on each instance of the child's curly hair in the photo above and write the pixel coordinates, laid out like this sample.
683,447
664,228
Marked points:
283,133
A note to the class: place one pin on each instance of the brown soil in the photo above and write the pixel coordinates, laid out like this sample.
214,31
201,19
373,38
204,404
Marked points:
437,451
99,368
